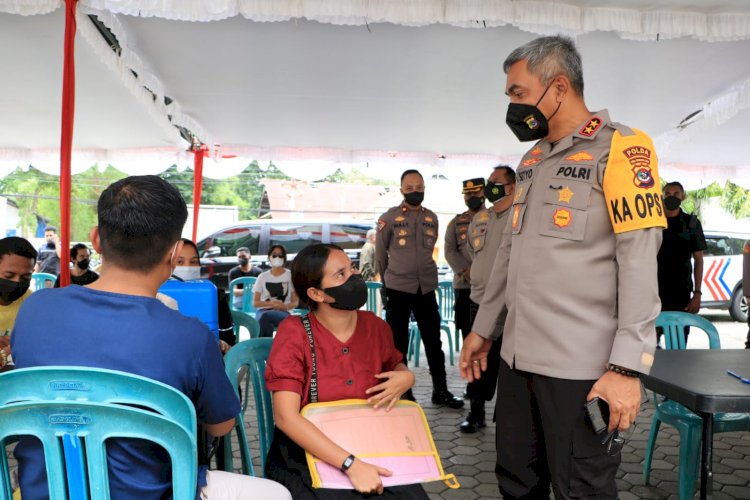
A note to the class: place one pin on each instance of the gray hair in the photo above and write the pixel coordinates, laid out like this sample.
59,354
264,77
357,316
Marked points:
548,57
371,234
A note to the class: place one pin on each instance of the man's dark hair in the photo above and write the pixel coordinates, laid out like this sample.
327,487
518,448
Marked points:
510,174
242,249
673,184
307,270
410,171
13,245
140,218
50,228
74,250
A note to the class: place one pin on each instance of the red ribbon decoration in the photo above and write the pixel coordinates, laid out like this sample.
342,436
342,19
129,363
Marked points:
198,155
66,135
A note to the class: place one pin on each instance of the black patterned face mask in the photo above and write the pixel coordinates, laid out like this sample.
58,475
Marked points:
527,122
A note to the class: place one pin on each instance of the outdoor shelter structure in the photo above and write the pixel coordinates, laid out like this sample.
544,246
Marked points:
381,85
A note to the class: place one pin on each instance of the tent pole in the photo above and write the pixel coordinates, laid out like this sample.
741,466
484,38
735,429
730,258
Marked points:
66,136
198,155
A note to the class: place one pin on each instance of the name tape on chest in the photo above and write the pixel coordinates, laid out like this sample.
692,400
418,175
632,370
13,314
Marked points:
631,184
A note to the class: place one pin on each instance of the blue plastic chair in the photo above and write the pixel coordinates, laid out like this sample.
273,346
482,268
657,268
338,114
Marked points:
446,299
247,283
373,292
688,424
65,407
41,279
250,356
415,342
240,318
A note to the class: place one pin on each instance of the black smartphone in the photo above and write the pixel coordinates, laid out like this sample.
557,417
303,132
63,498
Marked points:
597,411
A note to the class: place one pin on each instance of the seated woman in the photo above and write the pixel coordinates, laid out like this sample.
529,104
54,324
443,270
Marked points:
273,295
188,268
355,358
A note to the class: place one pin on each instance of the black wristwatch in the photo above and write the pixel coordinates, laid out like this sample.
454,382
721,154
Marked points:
347,463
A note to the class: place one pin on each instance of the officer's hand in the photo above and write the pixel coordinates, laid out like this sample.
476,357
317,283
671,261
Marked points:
695,304
623,394
474,356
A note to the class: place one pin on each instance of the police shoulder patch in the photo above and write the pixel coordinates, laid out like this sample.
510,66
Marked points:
631,184
381,224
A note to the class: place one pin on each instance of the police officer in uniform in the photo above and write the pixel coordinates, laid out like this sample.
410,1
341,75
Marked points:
458,253
485,234
403,254
578,275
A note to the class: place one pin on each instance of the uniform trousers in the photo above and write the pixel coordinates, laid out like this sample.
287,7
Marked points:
462,309
398,309
483,389
543,437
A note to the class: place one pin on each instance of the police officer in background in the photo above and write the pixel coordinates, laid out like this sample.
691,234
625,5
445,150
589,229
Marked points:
403,253
458,253
579,281
485,234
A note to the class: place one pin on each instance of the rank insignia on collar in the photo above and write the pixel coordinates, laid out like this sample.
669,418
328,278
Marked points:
536,151
565,194
580,156
591,127
562,217
531,161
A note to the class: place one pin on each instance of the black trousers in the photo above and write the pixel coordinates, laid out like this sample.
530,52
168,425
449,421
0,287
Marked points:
399,308
483,389
462,308
544,437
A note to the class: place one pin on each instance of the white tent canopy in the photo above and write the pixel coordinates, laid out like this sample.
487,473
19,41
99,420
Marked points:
357,83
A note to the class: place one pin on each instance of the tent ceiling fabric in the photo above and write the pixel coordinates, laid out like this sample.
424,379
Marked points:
347,87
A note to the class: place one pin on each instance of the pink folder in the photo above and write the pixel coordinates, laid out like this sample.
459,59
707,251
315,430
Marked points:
398,440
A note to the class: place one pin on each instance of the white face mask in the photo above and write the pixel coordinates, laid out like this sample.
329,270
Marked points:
277,262
187,273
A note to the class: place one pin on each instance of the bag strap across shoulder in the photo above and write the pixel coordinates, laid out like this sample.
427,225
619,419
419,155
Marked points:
314,376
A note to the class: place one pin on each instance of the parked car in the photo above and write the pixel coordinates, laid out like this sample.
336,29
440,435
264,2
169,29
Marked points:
219,251
722,273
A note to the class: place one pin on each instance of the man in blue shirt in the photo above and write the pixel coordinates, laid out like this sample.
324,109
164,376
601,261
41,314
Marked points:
116,323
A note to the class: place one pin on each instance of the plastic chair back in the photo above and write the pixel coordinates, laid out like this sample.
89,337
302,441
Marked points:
41,279
74,410
445,296
373,293
240,318
247,283
251,356
673,323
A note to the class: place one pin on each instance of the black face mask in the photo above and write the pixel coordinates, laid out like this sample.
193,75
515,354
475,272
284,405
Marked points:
494,192
50,244
475,203
243,260
672,202
415,198
528,122
349,296
83,264
11,291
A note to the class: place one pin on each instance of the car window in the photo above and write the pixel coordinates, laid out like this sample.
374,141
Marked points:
349,236
295,237
736,245
718,246
229,240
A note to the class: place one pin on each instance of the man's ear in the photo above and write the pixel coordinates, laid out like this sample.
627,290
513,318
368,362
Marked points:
174,251
561,84
95,241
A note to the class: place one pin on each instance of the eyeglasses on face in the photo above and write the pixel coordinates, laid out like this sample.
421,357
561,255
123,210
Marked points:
275,255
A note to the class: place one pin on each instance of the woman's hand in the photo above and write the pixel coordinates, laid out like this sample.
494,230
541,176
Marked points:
366,477
396,383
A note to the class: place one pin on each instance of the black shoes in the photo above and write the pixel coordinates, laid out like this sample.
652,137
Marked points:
471,424
446,398
475,418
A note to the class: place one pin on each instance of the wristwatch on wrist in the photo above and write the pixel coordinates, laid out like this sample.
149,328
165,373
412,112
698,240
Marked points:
347,463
